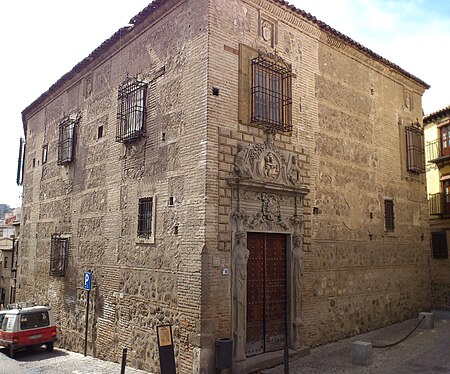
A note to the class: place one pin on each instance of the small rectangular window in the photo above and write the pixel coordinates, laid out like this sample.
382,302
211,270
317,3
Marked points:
131,112
415,152
145,218
439,243
100,132
44,154
66,143
389,215
5,264
58,255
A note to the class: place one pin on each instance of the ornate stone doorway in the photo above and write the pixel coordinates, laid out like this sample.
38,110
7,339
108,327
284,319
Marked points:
266,293
266,211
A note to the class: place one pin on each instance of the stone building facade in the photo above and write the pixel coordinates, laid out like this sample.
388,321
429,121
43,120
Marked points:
233,168
437,126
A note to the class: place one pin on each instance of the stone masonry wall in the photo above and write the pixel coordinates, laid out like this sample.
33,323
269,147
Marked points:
348,112
93,200
363,276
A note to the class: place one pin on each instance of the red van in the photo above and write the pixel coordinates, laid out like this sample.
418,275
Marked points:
27,327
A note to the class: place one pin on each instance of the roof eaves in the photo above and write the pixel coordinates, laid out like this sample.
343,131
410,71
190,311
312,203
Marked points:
139,18
324,27
154,5
435,115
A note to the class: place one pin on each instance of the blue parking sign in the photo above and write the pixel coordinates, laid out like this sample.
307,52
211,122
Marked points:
87,280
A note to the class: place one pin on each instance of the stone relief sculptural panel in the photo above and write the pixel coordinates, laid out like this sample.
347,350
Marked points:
267,164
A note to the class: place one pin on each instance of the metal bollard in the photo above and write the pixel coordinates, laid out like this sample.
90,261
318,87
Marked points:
124,360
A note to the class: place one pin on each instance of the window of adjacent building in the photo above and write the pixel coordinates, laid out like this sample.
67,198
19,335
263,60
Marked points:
131,111
44,154
389,215
58,256
66,143
439,243
5,264
145,218
415,153
445,140
271,96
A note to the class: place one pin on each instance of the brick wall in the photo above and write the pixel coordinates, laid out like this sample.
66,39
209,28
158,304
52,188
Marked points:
94,199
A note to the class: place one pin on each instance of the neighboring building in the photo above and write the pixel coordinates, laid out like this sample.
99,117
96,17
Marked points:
7,273
437,131
232,168
6,229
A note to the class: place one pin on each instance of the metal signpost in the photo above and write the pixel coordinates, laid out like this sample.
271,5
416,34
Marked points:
87,286
166,352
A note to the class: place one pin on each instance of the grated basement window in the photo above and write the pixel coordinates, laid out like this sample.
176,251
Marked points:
58,255
271,94
131,111
145,218
66,143
415,152
389,215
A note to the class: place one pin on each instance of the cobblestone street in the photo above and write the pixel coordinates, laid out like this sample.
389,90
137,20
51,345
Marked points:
39,361
425,351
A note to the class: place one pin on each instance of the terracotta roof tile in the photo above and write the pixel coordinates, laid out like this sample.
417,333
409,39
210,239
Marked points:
435,115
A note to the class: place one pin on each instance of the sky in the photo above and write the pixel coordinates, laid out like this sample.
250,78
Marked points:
42,40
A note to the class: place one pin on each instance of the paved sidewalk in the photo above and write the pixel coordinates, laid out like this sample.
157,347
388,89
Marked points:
425,351
60,361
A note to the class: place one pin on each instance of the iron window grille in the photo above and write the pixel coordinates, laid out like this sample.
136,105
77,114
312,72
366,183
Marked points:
439,243
58,256
66,145
145,216
271,93
415,152
389,215
131,111
21,162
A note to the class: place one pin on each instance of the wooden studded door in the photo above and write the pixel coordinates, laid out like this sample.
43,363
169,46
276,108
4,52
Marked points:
266,293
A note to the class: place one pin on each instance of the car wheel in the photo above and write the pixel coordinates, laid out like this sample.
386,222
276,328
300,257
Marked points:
49,347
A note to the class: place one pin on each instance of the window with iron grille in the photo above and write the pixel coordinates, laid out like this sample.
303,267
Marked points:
145,217
58,255
271,94
131,111
439,242
389,215
415,153
66,143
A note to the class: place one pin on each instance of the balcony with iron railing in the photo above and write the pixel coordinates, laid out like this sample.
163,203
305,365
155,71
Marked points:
434,152
439,204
